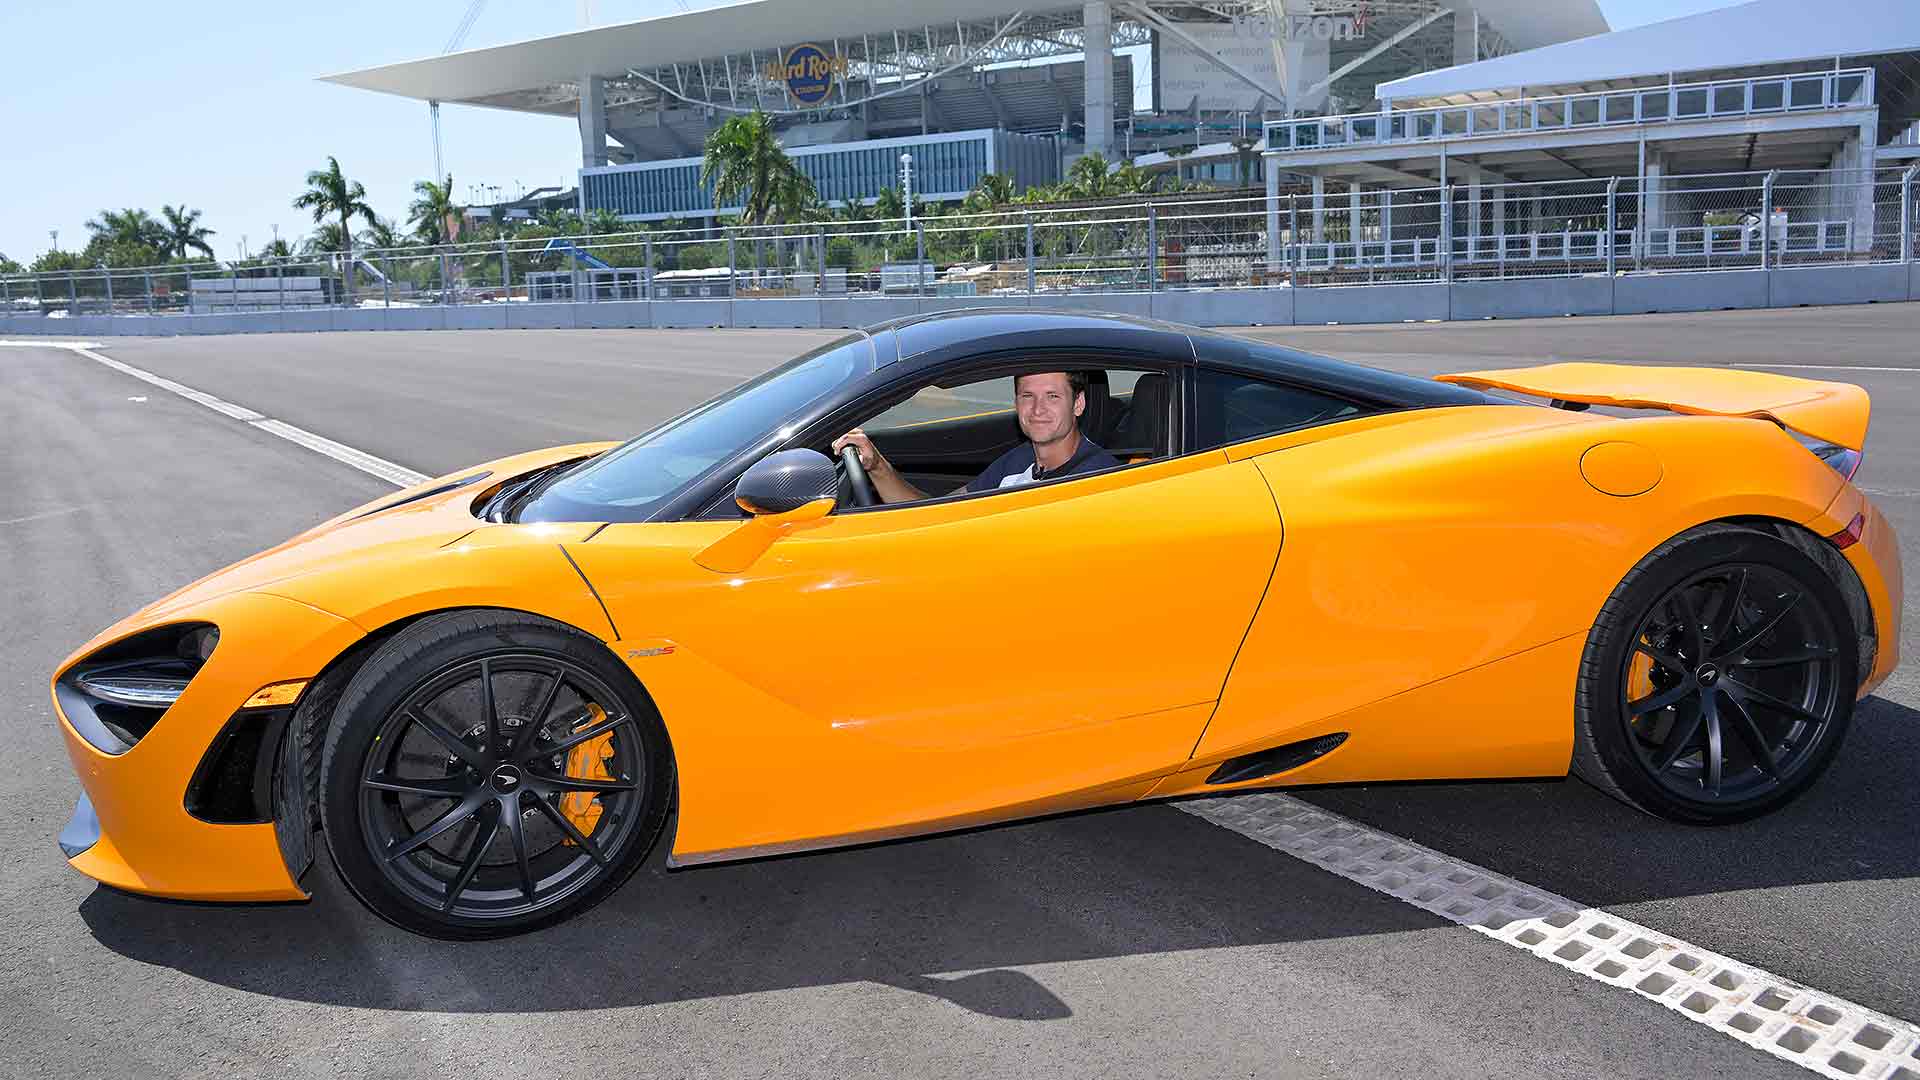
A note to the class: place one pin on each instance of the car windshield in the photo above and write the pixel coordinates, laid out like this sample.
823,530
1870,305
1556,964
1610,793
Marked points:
630,482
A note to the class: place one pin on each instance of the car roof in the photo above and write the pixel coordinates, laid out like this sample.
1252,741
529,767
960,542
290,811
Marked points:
917,342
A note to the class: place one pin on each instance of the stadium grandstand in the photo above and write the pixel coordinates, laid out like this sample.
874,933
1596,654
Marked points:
965,87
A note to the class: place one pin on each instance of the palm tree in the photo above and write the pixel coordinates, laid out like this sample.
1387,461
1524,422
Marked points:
127,227
276,248
381,234
746,164
328,238
184,233
888,205
329,193
1088,177
601,220
994,189
432,215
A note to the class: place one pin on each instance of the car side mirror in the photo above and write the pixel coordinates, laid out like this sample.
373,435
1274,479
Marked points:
787,481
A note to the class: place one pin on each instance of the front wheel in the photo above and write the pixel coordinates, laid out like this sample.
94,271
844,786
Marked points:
1719,679
489,773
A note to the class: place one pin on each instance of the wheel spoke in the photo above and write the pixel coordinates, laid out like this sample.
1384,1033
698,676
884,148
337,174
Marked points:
482,839
1716,760
516,829
455,815
1689,618
581,783
1730,598
450,739
1679,741
1758,631
438,787
1805,656
583,735
1750,733
1671,661
1656,702
1755,694
573,833
525,736
489,710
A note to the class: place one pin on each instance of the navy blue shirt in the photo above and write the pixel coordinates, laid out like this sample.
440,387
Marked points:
1016,466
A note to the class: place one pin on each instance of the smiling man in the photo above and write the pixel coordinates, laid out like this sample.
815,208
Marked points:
1049,405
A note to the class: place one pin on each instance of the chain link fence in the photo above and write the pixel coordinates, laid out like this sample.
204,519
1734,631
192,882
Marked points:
1630,225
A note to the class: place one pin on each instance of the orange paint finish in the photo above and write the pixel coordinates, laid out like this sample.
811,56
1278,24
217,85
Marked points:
905,669
150,844
1876,558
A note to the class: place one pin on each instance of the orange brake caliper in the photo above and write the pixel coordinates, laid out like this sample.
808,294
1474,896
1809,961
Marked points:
588,761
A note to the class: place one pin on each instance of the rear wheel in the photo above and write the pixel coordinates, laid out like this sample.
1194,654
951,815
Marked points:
489,773
1719,679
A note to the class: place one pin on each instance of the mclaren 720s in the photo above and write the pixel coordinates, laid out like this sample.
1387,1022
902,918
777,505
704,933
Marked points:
485,695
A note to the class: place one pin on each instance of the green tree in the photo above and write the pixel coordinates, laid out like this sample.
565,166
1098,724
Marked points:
125,238
993,190
56,261
8,266
276,249
383,233
433,212
1089,177
330,193
184,233
746,164
328,238
601,221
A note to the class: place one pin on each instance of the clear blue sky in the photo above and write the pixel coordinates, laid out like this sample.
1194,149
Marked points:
214,104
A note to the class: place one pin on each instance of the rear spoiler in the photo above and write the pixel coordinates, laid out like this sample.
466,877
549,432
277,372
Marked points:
1828,411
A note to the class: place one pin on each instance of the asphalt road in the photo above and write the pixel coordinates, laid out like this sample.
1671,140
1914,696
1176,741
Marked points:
1141,940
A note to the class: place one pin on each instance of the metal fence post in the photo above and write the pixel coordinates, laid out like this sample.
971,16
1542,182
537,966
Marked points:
920,259
1446,232
446,282
646,273
348,276
1766,218
1030,275
109,277
1613,188
506,271
1294,254
233,288
1906,213
1153,248
280,280
733,269
146,277
6,290
820,265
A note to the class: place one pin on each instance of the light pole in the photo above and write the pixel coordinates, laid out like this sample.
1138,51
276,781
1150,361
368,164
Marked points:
906,186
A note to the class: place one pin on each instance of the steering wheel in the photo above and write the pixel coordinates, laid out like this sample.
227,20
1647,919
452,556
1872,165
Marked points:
859,484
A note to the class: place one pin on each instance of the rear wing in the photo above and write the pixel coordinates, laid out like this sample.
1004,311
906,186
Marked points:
1830,412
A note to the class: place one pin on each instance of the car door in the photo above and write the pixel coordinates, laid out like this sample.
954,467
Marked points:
907,668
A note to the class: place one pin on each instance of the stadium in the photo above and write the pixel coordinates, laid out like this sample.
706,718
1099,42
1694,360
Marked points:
967,87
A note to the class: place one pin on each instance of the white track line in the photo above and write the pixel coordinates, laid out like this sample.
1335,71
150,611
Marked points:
1810,1028
397,475
1830,367
1829,1035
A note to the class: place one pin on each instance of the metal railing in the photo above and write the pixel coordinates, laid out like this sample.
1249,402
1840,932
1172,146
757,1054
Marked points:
1757,96
1493,231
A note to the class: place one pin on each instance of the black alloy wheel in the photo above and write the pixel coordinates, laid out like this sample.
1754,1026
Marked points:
486,780
1719,679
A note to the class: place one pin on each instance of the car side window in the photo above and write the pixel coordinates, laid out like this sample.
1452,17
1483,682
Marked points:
1231,408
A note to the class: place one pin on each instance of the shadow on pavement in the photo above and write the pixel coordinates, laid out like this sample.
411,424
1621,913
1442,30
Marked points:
949,916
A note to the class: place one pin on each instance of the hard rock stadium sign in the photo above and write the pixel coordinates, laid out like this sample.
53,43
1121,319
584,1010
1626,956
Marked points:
808,71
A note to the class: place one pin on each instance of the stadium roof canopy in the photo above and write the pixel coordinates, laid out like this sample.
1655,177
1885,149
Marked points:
506,76
1764,33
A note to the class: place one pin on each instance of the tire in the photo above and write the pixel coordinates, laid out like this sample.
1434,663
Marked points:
488,773
1729,722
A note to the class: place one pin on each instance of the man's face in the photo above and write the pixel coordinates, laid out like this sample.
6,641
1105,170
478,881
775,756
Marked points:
1047,405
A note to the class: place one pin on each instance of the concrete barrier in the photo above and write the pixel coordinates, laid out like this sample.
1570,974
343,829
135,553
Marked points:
778,311
304,320
1140,304
964,303
541,316
693,313
1707,290
359,319
1540,298
614,314
467,318
1371,304
1225,307
1913,281
866,310
1840,285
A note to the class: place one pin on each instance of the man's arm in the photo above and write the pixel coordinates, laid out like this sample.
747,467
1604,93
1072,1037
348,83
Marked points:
887,482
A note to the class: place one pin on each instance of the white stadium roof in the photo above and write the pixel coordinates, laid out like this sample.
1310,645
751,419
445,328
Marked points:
1755,34
488,75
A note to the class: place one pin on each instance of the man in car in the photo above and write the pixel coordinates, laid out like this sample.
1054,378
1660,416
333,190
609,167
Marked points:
1048,404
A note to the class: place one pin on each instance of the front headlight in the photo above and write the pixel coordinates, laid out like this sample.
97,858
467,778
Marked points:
116,695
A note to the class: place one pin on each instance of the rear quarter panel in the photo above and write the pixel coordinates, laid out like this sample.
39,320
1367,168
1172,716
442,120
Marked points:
1445,541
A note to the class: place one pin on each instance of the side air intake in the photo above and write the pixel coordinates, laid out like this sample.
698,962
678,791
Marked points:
1275,761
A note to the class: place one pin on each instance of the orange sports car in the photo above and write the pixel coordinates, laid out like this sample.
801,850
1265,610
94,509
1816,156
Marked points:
487,694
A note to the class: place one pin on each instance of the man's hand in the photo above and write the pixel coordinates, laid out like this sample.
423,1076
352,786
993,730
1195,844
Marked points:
887,483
